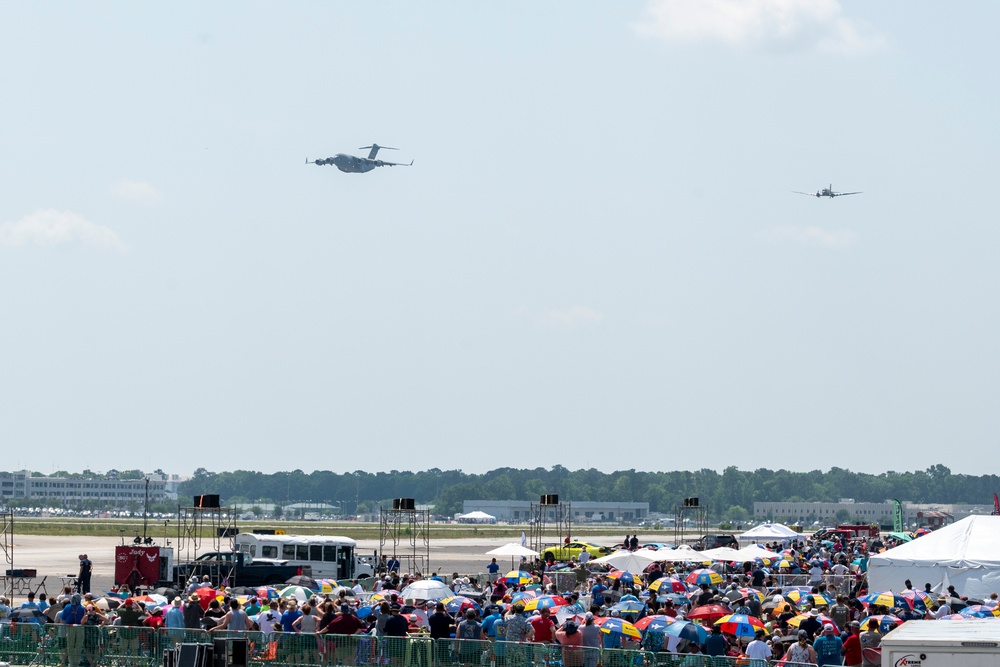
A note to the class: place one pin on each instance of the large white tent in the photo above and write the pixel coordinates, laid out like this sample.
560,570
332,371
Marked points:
768,532
476,517
965,554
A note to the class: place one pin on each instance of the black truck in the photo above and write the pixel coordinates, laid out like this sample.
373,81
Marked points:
236,568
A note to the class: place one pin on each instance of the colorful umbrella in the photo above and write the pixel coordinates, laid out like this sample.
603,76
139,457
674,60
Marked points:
822,618
152,600
656,623
624,577
710,611
919,600
687,630
629,606
267,593
886,599
954,617
300,593
523,596
620,627
704,576
518,577
751,593
886,622
668,585
740,625
459,604
545,602
978,611
815,599
920,532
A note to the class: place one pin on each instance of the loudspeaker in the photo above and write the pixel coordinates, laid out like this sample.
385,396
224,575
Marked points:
406,504
549,499
220,652
694,502
207,501
227,532
169,658
239,653
187,655
395,503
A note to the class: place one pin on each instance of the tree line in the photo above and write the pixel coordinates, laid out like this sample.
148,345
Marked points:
733,488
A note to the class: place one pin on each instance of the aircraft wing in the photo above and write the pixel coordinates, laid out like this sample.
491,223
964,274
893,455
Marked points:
843,194
808,194
383,163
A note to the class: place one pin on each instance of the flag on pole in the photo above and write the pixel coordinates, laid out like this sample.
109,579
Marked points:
524,539
897,516
996,505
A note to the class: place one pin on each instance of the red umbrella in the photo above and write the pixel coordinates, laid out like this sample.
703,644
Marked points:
710,611
206,595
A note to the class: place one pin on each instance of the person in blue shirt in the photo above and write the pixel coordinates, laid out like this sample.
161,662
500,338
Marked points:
493,569
290,616
716,644
597,592
828,647
494,615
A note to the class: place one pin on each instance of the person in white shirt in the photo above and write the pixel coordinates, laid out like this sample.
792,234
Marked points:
944,609
993,602
759,649
357,588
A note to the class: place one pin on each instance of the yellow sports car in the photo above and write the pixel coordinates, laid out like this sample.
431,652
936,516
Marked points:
572,550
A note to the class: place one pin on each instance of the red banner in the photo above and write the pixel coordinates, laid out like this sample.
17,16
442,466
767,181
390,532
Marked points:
137,566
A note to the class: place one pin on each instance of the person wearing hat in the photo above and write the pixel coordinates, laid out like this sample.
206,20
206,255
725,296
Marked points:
155,619
468,633
571,639
852,645
193,613
395,625
829,647
811,624
130,618
943,608
73,614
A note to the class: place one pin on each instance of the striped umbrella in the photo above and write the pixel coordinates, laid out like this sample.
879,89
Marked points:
978,611
624,577
545,602
886,622
740,625
886,599
619,626
704,576
668,585
518,577
656,623
688,630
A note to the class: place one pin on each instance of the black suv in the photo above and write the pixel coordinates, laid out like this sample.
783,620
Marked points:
714,541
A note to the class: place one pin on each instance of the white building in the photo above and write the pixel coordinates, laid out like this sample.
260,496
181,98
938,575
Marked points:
582,511
21,485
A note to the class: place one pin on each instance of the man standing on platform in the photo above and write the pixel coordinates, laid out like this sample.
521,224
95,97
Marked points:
83,580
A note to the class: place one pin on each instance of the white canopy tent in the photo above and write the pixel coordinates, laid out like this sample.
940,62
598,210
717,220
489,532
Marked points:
722,554
753,551
965,555
629,561
477,517
769,532
682,554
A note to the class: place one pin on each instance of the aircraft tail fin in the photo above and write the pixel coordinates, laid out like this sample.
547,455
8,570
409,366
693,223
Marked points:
375,148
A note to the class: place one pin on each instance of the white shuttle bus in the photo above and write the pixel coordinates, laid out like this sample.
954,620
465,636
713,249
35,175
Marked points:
330,557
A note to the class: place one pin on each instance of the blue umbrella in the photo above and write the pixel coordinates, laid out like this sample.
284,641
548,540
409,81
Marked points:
630,607
687,630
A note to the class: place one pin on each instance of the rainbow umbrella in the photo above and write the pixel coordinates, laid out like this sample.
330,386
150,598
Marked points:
920,532
518,577
152,600
624,577
740,625
886,622
459,604
620,627
668,585
886,599
954,617
687,630
703,576
545,602
656,623
978,611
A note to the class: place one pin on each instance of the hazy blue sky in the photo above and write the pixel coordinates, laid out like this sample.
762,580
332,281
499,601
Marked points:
596,260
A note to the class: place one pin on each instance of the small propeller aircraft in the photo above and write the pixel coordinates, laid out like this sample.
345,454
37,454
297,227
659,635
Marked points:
826,192
359,165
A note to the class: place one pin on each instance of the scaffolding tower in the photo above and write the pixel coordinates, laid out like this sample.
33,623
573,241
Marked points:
404,535
204,529
689,515
551,522
7,544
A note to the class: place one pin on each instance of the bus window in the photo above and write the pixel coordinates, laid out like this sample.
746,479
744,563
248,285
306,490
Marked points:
288,551
302,552
315,552
268,552
329,554
345,557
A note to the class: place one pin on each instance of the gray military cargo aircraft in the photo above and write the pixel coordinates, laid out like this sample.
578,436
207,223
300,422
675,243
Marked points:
826,192
358,165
